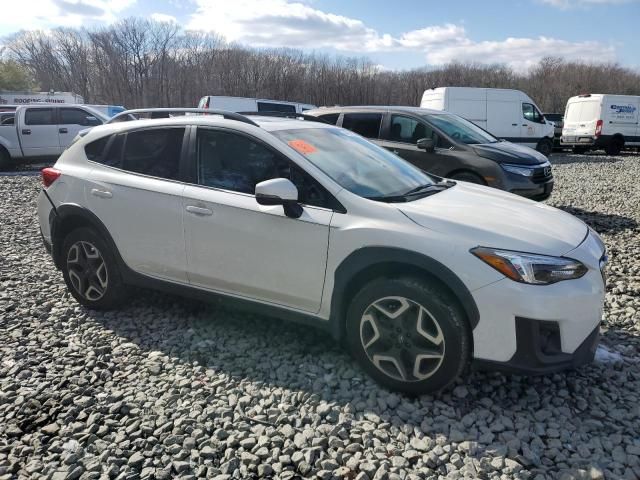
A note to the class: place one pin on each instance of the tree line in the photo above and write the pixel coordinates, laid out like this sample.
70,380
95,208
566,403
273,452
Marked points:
142,63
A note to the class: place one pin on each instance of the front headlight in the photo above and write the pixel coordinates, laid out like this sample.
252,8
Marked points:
530,268
518,169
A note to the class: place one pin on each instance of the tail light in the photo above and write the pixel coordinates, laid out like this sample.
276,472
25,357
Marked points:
598,128
49,175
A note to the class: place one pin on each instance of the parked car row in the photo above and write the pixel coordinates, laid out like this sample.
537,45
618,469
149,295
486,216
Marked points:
419,276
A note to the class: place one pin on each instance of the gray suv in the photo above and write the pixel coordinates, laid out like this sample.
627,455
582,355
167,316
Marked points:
448,146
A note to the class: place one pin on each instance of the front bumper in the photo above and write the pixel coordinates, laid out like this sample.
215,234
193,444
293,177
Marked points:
542,328
537,350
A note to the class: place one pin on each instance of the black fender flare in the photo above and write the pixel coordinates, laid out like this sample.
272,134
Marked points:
87,217
367,257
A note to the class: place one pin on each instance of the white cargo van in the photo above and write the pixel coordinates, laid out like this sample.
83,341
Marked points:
507,114
243,104
595,121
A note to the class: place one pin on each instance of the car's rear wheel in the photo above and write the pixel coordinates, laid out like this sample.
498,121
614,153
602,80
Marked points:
90,270
408,334
468,177
545,147
615,146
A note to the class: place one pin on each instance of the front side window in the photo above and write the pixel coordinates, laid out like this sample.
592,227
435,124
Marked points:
459,129
235,162
408,130
365,124
76,116
39,116
531,113
276,107
154,152
354,163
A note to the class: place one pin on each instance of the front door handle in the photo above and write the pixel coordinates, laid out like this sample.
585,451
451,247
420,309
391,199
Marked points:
514,124
199,210
63,130
101,193
26,131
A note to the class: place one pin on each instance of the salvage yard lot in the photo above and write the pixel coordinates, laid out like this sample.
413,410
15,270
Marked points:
167,387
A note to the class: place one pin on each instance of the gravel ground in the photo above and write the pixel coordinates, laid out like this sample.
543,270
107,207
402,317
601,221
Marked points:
167,388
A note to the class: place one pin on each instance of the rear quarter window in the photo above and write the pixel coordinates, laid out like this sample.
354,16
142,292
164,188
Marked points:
331,118
365,124
95,149
39,116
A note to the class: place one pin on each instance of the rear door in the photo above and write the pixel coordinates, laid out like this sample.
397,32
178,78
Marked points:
367,124
70,121
39,132
135,189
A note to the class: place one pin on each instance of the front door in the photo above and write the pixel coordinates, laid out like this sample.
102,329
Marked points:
39,132
71,121
236,246
533,125
402,137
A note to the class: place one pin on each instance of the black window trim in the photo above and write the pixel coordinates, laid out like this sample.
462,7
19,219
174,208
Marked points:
338,207
182,161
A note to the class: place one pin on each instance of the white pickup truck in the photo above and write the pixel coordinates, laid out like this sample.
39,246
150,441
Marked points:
42,132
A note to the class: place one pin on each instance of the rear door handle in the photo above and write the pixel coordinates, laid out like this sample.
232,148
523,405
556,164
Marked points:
514,124
199,210
26,131
63,130
101,193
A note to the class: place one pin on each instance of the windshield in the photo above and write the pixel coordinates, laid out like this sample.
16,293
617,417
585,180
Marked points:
355,163
461,130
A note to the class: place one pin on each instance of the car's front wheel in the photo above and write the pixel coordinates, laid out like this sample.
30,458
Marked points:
90,270
408,334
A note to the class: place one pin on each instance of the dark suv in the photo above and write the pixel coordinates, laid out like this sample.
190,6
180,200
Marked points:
448,146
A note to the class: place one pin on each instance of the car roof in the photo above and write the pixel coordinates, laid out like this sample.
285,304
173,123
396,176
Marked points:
378,108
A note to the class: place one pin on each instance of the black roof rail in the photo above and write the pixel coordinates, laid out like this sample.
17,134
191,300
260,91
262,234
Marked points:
298,116
128,115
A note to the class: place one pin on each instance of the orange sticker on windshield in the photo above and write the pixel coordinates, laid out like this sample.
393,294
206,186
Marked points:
302,146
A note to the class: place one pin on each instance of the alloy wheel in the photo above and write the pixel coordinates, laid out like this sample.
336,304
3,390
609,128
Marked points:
87,270
402,339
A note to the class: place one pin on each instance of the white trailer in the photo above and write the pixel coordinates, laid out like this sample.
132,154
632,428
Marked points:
507,114
27,98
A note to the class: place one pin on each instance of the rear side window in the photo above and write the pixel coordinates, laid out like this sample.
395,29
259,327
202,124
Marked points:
154,152
276,107
39,116
95,149
331,118
365,124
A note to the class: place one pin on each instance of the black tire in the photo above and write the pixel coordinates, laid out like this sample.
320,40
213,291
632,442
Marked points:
615,146
545,146
468,177
441,319
103,288
5,160
579,150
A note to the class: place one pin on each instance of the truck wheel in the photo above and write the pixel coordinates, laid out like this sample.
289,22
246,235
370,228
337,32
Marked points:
408,334
615,146
5,160
545,146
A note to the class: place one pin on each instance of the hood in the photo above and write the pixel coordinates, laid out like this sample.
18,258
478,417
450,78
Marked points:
507,152
487,217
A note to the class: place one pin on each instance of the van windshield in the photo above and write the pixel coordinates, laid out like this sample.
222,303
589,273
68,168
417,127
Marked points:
459,129
354,163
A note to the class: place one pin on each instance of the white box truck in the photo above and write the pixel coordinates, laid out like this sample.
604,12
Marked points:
507,114
594,121
244,104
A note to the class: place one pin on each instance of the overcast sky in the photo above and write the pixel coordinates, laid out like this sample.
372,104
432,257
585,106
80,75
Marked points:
394,34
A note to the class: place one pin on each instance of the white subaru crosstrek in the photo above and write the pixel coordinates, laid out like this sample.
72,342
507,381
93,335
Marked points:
421,277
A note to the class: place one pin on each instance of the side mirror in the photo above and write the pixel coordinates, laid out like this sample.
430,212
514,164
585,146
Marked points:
92,121
279,191
426,144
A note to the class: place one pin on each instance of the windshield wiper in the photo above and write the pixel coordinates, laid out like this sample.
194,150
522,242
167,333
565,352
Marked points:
424,190
430,187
